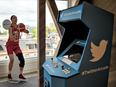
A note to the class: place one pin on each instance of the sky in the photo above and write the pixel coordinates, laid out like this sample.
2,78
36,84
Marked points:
26,11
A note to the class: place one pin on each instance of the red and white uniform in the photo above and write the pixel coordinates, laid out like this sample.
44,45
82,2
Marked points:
13,45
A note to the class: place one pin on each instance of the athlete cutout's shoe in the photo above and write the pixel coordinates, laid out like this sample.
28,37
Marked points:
22,78
9,76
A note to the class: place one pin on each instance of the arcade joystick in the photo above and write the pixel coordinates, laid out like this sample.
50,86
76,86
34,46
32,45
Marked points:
62,66
54,62
52,59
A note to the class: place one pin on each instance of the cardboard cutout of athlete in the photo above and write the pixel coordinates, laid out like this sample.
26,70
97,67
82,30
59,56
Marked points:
12,45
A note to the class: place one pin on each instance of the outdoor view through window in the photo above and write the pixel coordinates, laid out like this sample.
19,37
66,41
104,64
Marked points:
52,37
26,12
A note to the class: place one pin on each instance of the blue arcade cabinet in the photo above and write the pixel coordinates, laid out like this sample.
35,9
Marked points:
83,58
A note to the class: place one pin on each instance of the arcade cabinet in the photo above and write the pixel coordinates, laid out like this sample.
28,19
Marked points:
83,57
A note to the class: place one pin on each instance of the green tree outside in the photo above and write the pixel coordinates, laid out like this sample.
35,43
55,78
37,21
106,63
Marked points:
34,33
46,34
27,28
53,29
5,32
47,28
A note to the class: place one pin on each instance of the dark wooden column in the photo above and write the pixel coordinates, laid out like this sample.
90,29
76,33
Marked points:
41,40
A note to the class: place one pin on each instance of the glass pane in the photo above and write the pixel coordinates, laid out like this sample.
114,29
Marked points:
26,12
62,4
52,37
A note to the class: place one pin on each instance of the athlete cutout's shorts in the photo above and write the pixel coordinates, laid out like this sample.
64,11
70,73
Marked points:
14,48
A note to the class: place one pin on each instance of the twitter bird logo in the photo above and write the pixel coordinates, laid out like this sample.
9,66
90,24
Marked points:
61,15
98,51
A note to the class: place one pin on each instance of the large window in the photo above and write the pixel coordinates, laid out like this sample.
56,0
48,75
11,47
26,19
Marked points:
52,37
26,12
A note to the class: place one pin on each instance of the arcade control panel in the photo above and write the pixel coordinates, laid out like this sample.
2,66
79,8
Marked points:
59,68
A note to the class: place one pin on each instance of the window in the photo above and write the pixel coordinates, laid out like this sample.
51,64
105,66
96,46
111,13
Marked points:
52,37
1,49
26,12
62,4
32,46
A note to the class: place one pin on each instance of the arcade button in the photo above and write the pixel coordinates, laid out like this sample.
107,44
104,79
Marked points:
55,66
66,73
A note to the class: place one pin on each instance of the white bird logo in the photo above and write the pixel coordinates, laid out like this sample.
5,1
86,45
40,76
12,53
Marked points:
98,51
61,15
